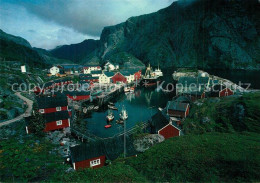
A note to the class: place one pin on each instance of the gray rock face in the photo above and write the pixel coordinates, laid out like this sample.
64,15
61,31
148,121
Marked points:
204,33
147,141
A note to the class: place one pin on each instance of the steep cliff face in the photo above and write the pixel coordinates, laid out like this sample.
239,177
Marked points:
76,52
204,34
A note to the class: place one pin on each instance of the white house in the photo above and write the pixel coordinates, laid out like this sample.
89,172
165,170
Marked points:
88,69
106,77
111,67
54,70
130,76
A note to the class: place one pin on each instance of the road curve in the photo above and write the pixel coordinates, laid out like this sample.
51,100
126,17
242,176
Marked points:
25,114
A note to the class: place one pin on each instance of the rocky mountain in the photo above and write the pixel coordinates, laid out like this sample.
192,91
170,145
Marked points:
203,33
19,49
200,33
77,53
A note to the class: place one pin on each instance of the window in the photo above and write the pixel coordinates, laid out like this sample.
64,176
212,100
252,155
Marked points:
95,162
59,122
58,108
41,111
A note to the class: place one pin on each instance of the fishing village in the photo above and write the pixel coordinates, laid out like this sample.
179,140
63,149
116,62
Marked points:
91,112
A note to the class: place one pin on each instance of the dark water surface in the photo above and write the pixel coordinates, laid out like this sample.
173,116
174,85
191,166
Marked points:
144,103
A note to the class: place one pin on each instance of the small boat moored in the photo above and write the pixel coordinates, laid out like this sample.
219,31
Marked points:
126,89
112,107
107,126
120,121
123,114
110,116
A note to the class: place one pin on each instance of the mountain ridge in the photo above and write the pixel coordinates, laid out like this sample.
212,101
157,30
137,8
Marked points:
205,34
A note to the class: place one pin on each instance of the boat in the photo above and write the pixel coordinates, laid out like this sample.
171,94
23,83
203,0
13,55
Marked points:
111,103
157,72
120,121
112,107
149,78
126,89
132,89
96,93
90,107
123,114
110,116
108,126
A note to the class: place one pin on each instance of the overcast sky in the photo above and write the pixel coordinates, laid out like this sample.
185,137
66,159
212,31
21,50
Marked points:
49,23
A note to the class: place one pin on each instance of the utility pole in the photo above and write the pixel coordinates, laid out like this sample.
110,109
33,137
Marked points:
124,138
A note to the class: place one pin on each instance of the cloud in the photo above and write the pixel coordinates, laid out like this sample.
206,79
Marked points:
90,16
49,23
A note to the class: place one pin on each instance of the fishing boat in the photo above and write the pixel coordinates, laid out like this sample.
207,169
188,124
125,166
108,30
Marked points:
120,121
123,114
110,116
107,126
112,107
149,78
157,72
126,89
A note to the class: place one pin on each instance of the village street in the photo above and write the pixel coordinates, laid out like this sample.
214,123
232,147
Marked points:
25,114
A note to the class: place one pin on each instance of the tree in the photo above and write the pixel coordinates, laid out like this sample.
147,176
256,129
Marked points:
36,122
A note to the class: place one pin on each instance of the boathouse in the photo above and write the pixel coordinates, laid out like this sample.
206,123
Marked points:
119,78
94,154
52,104
77,95
162,124
41,89
177,109
220,91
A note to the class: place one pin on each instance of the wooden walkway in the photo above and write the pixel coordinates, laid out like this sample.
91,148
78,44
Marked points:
25,114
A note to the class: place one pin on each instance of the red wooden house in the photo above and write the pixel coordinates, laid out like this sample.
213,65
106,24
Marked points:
56,120
78,95
163,125
119,78
52,104
221,91
138,75
94,154
177,109
53,121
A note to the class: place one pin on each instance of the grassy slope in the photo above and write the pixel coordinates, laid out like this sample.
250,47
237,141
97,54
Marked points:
240,113
207,157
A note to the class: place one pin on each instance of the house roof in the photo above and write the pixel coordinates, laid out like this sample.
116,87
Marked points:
51,102
109,74
160,120
55,116
84,75
183,99
177,106
86,151
77,93
96,72
112,148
